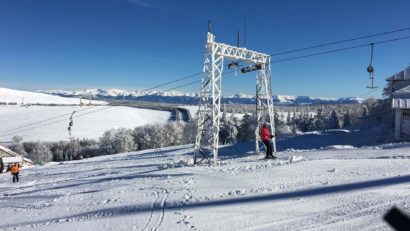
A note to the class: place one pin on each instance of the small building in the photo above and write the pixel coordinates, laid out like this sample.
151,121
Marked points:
400,87
8,157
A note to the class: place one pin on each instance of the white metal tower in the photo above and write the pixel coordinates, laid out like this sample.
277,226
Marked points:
207,137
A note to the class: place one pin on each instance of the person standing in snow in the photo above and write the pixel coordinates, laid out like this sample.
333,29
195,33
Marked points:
266,137
1,165
15,170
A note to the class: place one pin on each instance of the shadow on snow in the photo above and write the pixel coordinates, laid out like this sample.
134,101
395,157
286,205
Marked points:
147,208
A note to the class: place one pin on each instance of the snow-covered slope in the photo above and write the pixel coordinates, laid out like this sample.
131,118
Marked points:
192,98
25,97
339,188
47,123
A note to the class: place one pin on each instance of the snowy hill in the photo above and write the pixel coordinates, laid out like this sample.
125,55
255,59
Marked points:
89,122
11,96
337,188
48,123
192,98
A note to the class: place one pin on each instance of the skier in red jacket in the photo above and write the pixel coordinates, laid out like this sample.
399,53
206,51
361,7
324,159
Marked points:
266,137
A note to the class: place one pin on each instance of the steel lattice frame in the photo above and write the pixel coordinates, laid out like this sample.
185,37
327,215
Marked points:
207,138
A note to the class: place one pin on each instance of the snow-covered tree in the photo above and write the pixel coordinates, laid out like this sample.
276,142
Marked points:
247,129
303,122
58,151
72,150
320,120
189,132
333,121
149,136
123,141
288,119
365,111
346,120
40,153
172,133
311,125
228,131
17,145
106,141
294,128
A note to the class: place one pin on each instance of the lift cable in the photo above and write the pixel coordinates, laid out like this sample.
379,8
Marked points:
337,50
341,41
54,122
197,81
173,81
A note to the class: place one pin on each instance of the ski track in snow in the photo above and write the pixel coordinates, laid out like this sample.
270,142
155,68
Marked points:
132,191
152,211
153,226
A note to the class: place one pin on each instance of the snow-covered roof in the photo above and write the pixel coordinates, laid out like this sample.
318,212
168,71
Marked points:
14,155
400,76
401,98
4,149
12,159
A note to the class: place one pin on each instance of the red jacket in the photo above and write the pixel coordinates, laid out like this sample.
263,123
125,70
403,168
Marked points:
265,133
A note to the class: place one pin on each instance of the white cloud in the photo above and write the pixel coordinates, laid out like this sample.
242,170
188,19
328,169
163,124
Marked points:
143,3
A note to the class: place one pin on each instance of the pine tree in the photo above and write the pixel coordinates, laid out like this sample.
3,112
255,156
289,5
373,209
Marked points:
320,120
303,121
333,122
365,111
346,120
311,125
247,129
228,131
288,119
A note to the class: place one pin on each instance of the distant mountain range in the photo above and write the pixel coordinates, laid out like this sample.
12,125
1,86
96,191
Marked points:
193,98
17,97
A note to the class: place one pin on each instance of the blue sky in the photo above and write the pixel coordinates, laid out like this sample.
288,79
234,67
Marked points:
137,44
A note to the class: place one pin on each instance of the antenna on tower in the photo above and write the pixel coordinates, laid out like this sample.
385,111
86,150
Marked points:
237,39
209,26
244,45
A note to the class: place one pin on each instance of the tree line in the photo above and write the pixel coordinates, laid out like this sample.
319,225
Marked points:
233,128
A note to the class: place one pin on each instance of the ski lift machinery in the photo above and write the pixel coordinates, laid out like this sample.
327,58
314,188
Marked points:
70,125
370,69
207,138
